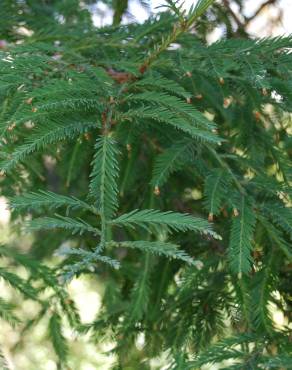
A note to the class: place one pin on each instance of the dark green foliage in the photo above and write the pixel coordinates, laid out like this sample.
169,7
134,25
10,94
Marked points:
170,170
103,186
47,199
172,220
45,279
216,190
58,340
6,312
241,236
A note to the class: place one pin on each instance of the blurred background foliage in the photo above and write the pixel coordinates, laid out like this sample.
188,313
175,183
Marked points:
19,19
232,17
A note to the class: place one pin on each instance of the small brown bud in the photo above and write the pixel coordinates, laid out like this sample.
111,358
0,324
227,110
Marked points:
210,217
103,117
129,147
119,77
264,91
156,190
189,74
188,100
143,68
3,44
223,210
235,212
112,100
34,109
221,81
227,101
29,101
256,255
257,115
87,136
199,96
11,127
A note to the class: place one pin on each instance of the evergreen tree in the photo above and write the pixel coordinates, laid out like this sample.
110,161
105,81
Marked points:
164,165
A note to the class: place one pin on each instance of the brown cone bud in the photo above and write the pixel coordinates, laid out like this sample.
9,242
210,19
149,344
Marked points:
235,212
29,101
227,101
225,213
3,44
156,190
87,136
257,115
11,127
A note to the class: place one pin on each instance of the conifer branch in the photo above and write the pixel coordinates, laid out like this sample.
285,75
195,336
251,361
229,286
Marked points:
76,226
240,245
179,28
168,250
173,220
200,129
103,185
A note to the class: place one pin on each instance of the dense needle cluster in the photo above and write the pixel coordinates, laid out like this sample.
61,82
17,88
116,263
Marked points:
164,166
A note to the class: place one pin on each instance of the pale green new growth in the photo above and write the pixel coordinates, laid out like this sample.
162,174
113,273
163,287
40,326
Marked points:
58,339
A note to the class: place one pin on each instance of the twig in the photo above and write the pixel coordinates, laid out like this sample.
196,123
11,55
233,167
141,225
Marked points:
234,16
260,9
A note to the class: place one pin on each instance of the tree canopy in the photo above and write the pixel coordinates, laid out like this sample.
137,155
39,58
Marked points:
157,165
